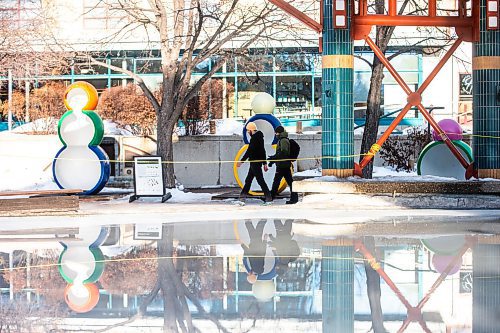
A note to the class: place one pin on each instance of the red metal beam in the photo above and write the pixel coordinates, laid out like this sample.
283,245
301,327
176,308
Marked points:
414,21
392,8
432,8
289,9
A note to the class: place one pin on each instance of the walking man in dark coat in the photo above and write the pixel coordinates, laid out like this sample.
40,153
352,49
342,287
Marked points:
283,165
256,154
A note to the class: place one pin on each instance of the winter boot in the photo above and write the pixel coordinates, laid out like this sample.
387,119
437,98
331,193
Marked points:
243,197
294,198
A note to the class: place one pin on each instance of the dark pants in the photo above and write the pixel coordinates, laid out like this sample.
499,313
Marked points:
255,171
255,233
280,174
256,250
283,229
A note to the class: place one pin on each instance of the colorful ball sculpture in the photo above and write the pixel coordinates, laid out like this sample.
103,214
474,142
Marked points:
445,245
436,159
440,262
81,297
81,163
452,129
263,103
264,290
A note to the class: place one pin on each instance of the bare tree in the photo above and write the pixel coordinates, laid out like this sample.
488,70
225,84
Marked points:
25,40
187,34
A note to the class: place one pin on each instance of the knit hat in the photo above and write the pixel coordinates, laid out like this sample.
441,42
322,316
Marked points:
251,126
279,129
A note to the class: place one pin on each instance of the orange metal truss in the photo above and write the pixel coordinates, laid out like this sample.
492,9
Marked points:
466,26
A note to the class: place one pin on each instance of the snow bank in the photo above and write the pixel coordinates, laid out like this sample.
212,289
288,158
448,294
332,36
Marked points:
387,174
40,125
26,161
111,128
308,173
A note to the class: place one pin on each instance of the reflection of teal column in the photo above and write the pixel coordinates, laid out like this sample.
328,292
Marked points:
337,278
337,102
486,288
486,119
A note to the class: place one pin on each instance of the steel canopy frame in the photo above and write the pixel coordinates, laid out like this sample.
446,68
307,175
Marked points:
466,27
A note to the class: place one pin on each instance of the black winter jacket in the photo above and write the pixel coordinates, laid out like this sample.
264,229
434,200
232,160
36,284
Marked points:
256,150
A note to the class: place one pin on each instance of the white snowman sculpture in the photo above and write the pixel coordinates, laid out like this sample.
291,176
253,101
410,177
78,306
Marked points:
81,163
263,106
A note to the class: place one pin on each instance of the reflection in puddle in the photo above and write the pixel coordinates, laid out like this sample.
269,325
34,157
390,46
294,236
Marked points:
253,276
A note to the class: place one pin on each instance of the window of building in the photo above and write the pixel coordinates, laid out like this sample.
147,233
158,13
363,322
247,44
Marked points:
147,66
293,94
295,62
19,13
248,87
97,15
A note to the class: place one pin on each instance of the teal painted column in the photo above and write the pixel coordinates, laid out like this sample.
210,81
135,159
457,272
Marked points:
337,279
337,93
486,116
486,289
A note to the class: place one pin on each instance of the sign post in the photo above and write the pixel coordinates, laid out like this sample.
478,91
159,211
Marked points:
148,178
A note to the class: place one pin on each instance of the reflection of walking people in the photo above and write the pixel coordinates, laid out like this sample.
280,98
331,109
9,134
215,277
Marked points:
286,248
255,152
255,252
283,165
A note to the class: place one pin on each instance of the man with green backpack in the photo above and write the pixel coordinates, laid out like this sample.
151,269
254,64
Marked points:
287,151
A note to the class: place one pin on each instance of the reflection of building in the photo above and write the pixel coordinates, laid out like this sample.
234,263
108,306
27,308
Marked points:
214,272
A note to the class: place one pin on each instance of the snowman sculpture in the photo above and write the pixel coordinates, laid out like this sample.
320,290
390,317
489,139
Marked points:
263,106
81,163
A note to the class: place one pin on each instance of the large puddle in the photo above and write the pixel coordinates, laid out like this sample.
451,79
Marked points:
253,276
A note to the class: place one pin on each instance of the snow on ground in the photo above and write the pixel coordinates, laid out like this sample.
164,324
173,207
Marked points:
40,125
178,196
111,128
308,173
379,174
113,251
26,161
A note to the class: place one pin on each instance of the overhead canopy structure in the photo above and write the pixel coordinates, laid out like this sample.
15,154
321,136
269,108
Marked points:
355,20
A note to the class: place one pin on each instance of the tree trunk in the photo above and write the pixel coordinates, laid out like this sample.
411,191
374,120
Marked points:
373,289
372,113
165,130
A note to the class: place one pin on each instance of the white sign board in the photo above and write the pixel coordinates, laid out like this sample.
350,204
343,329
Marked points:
148,176
147,231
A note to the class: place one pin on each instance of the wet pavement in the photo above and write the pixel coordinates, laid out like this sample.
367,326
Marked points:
423,274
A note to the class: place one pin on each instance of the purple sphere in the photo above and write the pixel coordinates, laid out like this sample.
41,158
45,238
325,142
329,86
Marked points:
440,263
451,128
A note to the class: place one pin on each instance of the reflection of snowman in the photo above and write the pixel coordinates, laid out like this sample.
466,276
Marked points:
263,106
259,259
81,264
81,163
